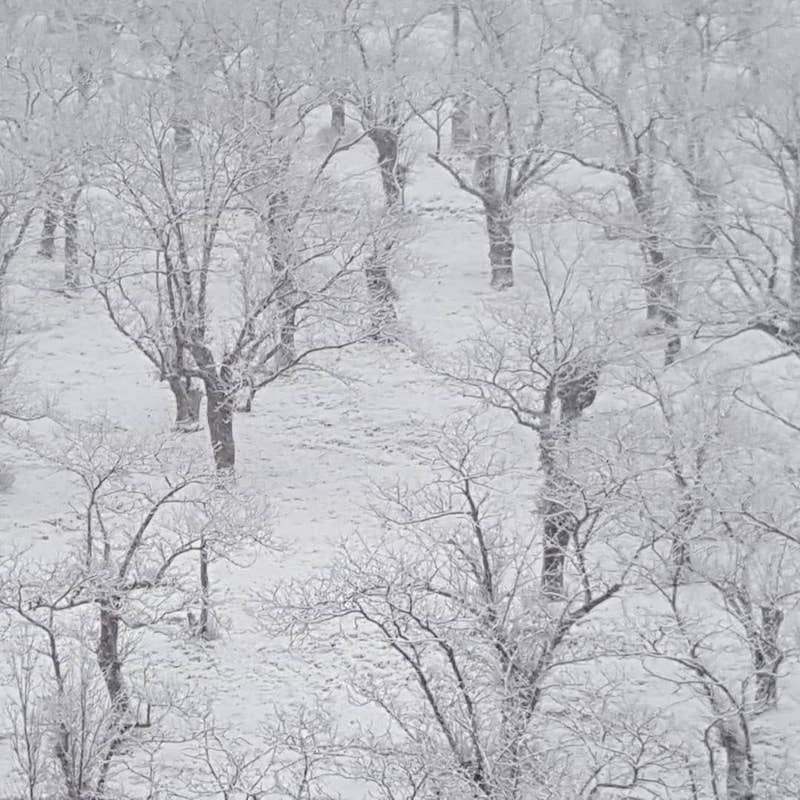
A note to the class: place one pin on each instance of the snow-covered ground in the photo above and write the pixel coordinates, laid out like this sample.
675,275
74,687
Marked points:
312,444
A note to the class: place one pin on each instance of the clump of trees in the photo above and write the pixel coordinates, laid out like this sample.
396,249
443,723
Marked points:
609,524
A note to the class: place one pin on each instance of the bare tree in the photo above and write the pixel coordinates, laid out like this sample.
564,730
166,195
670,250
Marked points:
143,516
461,119
507,76
172,221
759,234
473,647
23,169
384,80
715,494
651,84
540,361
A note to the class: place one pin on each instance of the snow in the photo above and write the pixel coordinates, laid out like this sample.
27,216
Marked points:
312,445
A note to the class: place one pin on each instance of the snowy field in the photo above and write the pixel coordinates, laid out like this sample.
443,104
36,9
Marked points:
313,444
492,532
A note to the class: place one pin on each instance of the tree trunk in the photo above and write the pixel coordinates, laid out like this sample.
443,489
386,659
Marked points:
379,286
338,122
71,273
559,523
767,657
680,546
740,777
387,144
183,136
205,590
280,223
461,125
219,413
559,528
47,242
655,281
108,658
501,245
187,405
460,122
662,299
12,248
286,306
381,293
287,350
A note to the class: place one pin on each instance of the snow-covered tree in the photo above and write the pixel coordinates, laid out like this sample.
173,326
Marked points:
506,71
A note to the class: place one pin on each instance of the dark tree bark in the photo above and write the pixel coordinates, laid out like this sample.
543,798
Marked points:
187,404
576,388
71,271
108,657
47,241
767,656
560,525
338,121
219,414
380,290
659,282
762,626
205,591
501,244
662,298
387,143
740,775
680,546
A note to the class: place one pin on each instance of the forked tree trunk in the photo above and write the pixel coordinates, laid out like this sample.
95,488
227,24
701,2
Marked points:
219,413
71,271
501,245
187,405
762,627
47,241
